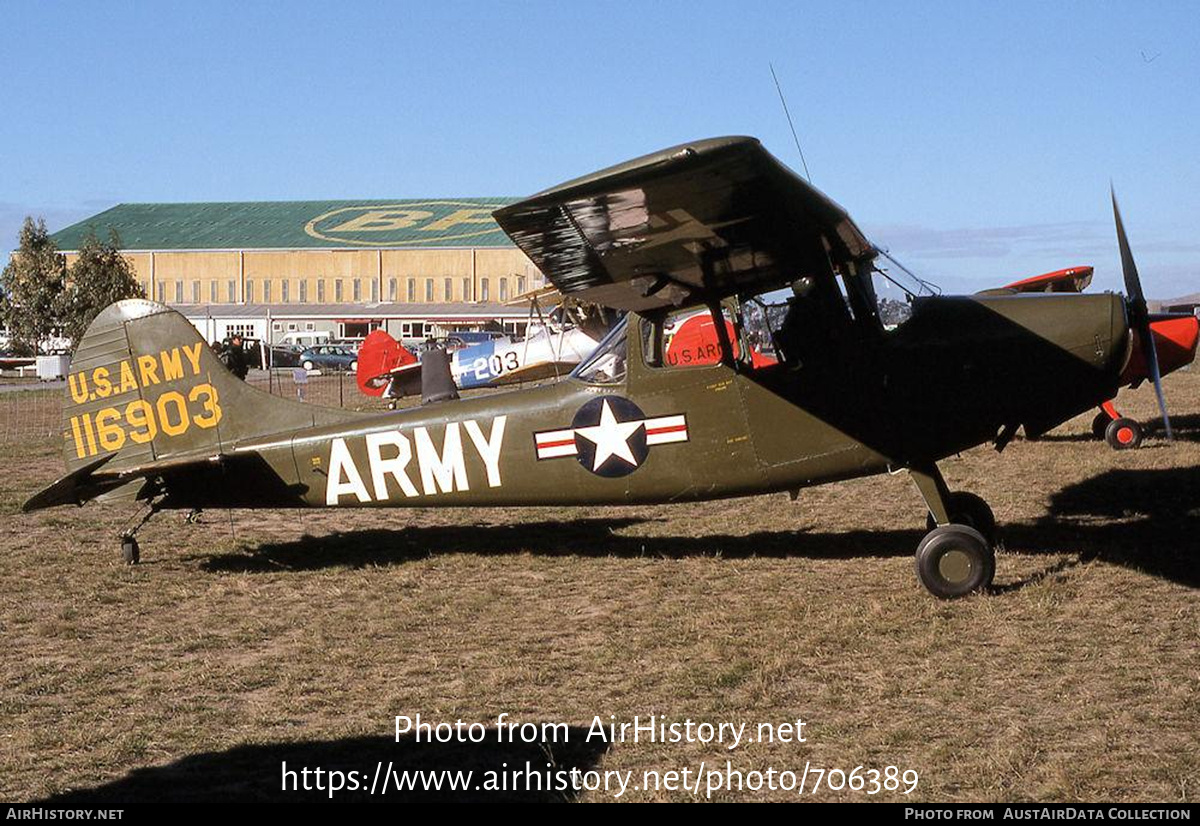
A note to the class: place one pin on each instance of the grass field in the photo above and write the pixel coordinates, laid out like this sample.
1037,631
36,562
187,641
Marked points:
257,637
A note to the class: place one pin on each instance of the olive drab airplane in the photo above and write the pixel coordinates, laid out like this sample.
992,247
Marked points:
1175,338
717,225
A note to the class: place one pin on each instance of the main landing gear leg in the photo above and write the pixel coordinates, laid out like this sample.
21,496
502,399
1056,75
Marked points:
130,551
956,557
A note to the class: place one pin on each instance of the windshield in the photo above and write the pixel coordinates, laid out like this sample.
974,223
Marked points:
606,364
895,288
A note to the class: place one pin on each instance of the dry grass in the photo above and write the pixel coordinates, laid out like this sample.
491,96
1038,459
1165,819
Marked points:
255,636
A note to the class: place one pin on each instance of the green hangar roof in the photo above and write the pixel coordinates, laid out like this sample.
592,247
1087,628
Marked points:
402,224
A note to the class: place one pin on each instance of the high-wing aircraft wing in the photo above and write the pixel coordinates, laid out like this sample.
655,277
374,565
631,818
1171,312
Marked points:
693,223
1070,280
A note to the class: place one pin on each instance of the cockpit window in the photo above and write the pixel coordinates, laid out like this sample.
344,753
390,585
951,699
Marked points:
607,363
895,288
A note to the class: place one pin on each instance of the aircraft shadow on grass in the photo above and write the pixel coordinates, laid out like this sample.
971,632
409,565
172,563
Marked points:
254,773
1142,519
594,537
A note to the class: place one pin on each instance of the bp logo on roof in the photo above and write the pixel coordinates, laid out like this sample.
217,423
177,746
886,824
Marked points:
405,224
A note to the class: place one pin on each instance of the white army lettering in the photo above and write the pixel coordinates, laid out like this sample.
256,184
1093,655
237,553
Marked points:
391,453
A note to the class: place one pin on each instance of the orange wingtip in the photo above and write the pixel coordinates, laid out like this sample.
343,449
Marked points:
1070,280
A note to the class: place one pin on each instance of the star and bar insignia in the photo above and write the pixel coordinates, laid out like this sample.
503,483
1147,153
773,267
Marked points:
610,436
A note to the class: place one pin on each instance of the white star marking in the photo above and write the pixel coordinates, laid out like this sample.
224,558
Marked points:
610,437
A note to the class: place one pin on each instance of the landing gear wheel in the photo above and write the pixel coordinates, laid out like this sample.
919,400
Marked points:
1100,424
130,551
954,560
1123,434
970,510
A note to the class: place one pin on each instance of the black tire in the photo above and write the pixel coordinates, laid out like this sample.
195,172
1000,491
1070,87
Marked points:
130,551
1100,424
1123,434
970,510
954,561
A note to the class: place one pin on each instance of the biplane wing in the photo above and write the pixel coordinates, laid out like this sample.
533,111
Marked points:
690,224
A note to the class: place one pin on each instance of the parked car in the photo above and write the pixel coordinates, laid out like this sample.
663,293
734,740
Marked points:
351,344
470,337
329,356
285,355
306,338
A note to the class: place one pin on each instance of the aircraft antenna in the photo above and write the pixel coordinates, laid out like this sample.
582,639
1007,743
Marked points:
779,89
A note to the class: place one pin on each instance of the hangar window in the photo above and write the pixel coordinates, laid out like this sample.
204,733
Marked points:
374,290
285,289
337,290
161,295
231,291
266,292
503,288
357,285
483,289
212,292
392,290
412,289
178,292
320,290
249,291
466,289
520,285
448,290
428,290
303,291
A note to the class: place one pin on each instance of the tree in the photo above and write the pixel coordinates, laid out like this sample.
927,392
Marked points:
100,276
31,287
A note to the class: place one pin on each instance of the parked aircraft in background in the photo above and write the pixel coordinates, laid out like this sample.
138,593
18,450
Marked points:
563,338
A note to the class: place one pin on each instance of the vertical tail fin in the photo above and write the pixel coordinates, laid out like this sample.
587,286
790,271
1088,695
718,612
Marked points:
145,387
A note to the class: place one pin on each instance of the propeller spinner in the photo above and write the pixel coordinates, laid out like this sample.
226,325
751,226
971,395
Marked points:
1139,314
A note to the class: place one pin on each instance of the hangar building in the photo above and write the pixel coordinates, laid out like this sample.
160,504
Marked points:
266,269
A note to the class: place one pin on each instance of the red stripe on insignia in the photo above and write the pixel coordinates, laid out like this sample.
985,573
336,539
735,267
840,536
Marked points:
563,443
659,430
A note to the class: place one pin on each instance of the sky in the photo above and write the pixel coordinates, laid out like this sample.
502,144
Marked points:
974,141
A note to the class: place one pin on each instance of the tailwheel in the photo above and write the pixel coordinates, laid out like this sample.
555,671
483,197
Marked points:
1100,424
130,551
955,560
1123,434
968,509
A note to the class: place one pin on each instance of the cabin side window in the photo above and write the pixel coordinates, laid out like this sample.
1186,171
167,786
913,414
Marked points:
687,338
607,364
